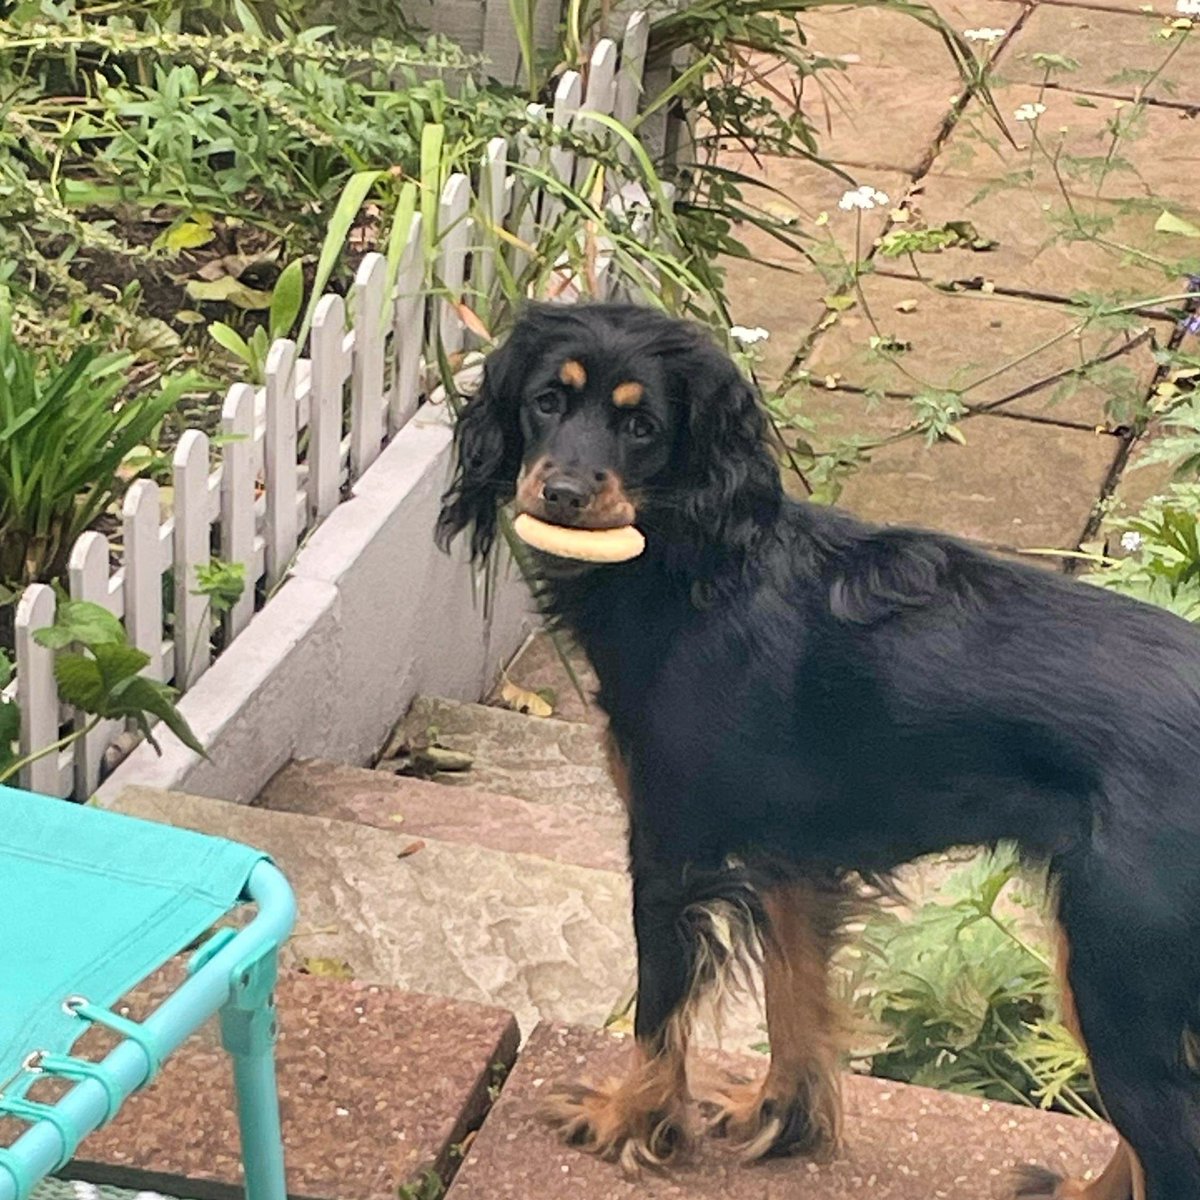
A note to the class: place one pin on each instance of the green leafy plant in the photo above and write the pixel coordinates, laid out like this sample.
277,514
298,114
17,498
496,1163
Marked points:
65,428
98,672
10,716
287,297
963,997
1162,563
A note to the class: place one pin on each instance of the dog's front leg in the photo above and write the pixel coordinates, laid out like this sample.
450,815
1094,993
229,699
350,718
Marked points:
640,1120
796,1109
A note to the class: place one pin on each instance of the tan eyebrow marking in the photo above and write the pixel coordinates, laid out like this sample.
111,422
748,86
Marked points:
628,395
573,374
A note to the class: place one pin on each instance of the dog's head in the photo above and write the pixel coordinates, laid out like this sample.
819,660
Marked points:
603,415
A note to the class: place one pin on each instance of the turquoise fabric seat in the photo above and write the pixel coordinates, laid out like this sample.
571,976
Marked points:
93,902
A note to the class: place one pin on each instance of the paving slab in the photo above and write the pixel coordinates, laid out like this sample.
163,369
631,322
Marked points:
541,939
878,112
902,1143
1039,249
1118,53
1157,156
1163,8
418,808
516,755
1013,485
539,666
376,1086
957,340
783,291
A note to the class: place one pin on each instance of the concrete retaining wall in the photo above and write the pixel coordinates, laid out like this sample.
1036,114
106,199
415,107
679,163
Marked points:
372,615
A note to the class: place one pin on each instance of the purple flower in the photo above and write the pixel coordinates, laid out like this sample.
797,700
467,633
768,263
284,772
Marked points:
1191,321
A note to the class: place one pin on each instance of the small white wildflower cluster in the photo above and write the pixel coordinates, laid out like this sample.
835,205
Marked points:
994,35
748,337
1131,540
1029,112
864,198
1188,8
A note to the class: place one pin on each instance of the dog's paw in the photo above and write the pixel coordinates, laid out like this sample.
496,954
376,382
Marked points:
763,1124
617,1123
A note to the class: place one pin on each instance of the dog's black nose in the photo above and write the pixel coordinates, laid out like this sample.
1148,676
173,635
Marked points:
565,498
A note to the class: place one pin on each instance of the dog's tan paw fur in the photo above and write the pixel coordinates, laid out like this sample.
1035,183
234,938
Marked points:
762,1124
624,1122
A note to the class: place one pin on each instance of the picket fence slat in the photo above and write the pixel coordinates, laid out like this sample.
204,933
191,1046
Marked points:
237,500
600,97
325,413
526,198
493,202
633,66
38,694
190,550
408,329
279,460
568,99
317,421
453,239
368,423
143,572
88,579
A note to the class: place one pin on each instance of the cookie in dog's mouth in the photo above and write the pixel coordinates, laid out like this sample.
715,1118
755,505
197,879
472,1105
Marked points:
583,545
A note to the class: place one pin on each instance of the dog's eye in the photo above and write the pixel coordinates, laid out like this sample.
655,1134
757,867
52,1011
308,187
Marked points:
549,402
639,425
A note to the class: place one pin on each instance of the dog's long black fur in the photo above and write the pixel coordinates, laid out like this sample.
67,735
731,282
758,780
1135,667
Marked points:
797,695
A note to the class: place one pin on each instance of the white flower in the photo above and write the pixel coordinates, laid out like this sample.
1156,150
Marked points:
1131,540
1188,8
865,198
748,337
1029,112
994,35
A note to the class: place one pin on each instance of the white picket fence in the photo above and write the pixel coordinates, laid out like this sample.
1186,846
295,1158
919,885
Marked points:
289,448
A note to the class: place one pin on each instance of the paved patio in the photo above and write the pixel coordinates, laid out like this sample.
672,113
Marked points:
1044,444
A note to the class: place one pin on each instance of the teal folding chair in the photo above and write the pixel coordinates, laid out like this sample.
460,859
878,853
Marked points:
91,903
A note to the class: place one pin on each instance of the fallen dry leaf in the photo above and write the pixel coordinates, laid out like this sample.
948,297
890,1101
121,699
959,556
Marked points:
522,700
327,968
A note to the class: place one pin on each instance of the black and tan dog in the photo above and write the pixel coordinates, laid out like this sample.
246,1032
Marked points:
798,700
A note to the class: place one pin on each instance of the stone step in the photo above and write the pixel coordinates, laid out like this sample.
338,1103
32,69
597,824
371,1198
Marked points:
532,758
377,1090
539,667
539,938
902,1142
418,808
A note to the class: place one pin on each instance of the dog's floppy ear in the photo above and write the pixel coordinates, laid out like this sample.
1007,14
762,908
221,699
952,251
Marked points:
487,443
730,486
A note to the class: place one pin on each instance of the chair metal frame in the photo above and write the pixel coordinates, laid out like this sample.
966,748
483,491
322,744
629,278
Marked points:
232,975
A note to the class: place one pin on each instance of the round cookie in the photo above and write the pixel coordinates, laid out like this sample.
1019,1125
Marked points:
584,545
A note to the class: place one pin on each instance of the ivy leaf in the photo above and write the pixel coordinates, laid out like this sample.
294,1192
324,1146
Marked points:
80,683
10,726
118,661
138,696
81,621
222,582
